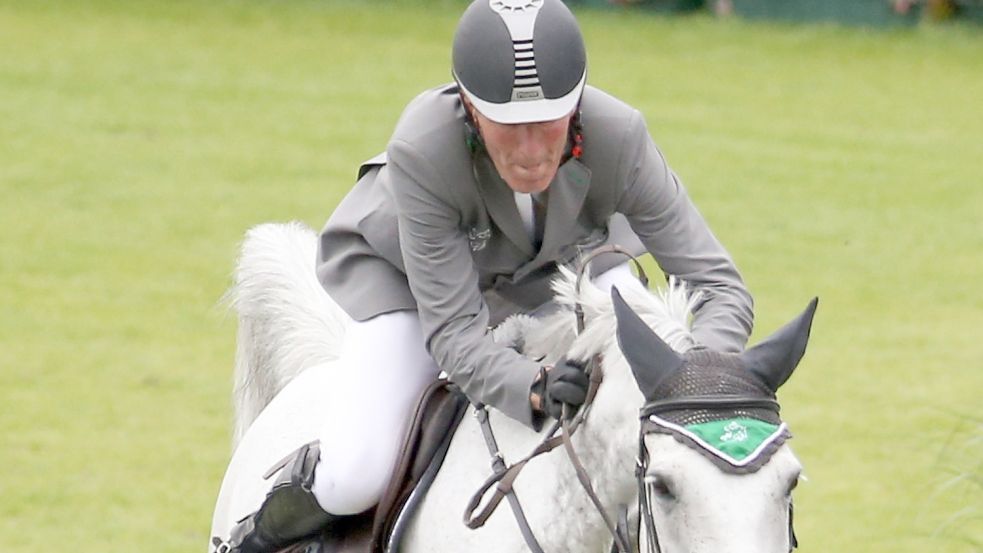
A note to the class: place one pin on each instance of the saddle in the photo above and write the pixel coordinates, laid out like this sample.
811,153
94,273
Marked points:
425,444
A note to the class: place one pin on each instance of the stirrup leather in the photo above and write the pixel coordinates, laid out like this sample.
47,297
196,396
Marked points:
290,511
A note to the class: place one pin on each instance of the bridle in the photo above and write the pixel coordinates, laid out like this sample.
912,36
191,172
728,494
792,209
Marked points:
504,476
646,427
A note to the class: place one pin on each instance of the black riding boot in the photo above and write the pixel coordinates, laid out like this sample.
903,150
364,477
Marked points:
290,511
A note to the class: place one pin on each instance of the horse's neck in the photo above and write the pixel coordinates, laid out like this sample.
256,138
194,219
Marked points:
606,442
606,447
608,438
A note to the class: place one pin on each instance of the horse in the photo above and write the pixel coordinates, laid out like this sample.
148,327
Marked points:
643,444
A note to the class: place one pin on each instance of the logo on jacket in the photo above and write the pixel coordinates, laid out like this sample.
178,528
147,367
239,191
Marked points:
478,239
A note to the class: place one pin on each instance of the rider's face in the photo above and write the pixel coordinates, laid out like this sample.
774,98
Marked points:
526,155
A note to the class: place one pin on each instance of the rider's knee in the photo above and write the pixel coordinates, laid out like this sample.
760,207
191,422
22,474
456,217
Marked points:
354,482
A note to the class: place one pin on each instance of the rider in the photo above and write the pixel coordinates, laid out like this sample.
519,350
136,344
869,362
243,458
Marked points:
486,186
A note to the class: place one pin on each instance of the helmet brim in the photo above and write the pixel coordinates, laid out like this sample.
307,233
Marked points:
528,111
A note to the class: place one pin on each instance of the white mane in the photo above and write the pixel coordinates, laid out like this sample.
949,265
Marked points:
667,311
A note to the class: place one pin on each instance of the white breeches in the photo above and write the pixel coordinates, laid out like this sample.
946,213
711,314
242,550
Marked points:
369,407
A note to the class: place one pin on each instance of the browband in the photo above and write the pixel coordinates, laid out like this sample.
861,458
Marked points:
705,402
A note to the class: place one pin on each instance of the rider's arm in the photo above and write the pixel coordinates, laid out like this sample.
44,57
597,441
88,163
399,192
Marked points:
662,214
444,282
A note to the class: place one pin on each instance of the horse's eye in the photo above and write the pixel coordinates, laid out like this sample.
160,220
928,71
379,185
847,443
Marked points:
793,483
661,487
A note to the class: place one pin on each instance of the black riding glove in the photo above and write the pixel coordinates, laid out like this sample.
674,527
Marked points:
565,384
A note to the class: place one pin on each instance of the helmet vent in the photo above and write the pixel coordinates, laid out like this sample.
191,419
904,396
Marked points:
515,5
526,76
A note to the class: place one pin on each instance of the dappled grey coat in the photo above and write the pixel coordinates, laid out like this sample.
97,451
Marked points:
431,226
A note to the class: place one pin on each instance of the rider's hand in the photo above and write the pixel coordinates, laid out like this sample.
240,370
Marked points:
565,384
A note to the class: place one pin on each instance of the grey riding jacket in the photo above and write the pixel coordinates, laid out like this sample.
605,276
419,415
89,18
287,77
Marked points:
430,226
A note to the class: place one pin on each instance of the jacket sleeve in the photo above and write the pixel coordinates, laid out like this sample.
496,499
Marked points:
444,282
661,213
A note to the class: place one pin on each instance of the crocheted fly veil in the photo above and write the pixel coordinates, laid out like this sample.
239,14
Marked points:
721,404
739,437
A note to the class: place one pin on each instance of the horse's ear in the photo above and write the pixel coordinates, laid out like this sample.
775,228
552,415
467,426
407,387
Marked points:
649,357
775,358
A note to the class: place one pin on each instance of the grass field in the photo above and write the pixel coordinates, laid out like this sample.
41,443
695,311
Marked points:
139,140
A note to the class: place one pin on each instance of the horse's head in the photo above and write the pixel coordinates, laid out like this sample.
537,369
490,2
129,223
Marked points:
718,475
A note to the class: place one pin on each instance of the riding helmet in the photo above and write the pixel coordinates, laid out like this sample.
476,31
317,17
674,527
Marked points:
520,61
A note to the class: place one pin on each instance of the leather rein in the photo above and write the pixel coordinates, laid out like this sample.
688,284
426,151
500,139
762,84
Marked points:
503,476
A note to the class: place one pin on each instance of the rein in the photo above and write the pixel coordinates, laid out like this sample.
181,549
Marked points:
503,477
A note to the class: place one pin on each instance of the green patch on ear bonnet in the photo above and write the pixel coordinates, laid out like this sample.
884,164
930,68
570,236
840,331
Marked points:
738,441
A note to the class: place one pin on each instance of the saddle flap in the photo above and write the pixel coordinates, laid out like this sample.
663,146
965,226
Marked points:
436,417
437,414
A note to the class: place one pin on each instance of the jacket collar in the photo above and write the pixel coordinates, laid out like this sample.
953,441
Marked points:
500,203
566,195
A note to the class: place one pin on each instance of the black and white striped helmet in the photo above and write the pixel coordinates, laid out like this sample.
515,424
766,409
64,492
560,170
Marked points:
520,61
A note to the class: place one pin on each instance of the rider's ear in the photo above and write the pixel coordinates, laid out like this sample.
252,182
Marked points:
775,358
649,357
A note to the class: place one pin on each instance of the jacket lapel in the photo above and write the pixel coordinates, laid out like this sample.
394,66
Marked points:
500,203
566,196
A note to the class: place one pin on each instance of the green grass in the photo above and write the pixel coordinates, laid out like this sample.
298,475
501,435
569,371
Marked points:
139,140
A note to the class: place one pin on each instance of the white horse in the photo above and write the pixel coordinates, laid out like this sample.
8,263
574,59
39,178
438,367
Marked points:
695,499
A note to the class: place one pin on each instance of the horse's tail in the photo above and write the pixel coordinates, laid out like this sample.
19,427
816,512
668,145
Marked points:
287,322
